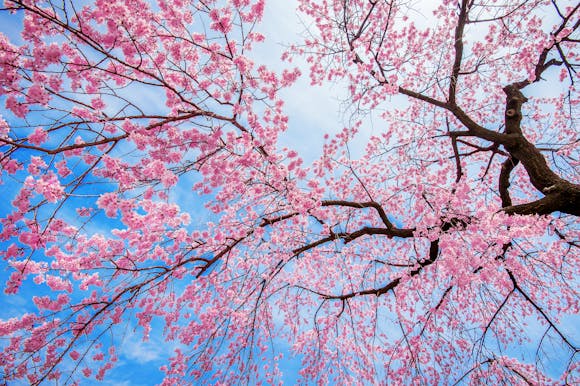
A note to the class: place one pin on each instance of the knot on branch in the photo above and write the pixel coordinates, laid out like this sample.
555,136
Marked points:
513,109
514,100
511,113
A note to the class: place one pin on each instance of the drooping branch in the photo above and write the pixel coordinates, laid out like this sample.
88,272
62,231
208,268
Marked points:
390,286
504,180
495,315
458,169
539,309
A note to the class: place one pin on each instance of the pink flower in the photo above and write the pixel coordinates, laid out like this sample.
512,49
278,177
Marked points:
49,186
37,95
19,109
52,53
36,164
222,20
108,202
4,128
84,212
62,168
563,34
38,137
57,283
32,239
11,166
97,103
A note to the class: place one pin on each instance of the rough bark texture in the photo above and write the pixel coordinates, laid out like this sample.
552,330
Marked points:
560,195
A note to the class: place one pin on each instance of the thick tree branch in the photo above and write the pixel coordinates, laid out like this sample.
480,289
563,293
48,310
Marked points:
393,231
565,201
541,176
458,45
504,180
561,195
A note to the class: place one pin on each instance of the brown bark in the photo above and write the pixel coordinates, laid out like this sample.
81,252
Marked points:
560,195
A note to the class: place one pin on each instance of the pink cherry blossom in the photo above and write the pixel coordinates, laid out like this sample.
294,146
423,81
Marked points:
154,183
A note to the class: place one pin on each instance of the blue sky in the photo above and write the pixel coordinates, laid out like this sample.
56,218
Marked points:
313,111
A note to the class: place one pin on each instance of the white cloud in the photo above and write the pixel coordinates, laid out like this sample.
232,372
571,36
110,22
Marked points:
312,110
135,350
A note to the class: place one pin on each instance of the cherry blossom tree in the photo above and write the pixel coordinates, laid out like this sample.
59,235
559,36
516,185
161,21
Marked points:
447,253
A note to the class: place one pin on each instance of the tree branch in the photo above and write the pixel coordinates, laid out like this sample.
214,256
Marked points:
394,231
504,180
541,311
458,45
433,254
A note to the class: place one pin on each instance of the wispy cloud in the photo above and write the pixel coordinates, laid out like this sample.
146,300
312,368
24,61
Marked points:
134,349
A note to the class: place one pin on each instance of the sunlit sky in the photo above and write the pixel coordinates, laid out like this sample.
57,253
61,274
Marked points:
313,112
